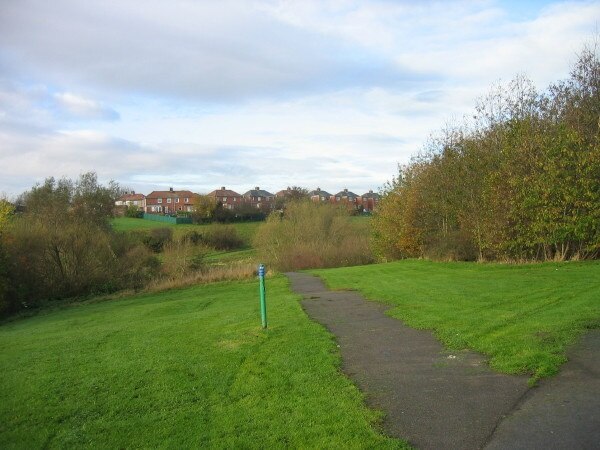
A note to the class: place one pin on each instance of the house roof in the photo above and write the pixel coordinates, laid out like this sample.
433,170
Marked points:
320,192
372,194
223,193
258,192
346,193
171,194
131,197
284,192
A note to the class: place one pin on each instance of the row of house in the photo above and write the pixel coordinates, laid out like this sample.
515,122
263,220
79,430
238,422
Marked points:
172,202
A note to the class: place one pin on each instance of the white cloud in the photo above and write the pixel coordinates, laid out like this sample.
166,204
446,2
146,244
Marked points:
84,108
200,50
268,93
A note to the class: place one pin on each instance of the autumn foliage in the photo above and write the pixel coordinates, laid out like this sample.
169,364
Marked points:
519,180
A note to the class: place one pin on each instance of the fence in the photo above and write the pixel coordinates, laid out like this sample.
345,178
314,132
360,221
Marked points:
167,219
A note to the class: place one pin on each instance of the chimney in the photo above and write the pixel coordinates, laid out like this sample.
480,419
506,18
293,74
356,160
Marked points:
318,189
257,188
289,188
133,192
370,191
222,188
171,189
346,190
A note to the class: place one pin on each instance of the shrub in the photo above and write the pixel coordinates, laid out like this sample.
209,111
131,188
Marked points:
193,237
222,237
47,261
157,238
180,257
454,246
137,264
310,235
134,212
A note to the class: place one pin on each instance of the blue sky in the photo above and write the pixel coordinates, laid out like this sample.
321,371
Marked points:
240,94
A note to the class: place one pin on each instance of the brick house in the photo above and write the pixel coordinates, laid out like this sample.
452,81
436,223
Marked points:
284,193
169,202
319,195
370,200
132,199
226,197
346,197
259,198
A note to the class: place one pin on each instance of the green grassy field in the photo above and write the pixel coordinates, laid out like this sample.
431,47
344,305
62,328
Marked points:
245,230
522,316
187,368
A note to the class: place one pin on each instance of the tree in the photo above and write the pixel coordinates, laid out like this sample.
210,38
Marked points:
291,194
57,201
7,209
521,180
204,208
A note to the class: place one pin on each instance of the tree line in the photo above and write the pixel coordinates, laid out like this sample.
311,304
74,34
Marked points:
517,180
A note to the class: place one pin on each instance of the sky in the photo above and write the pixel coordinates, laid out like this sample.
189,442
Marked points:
202,94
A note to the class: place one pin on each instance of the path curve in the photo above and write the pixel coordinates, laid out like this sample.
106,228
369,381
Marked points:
447,400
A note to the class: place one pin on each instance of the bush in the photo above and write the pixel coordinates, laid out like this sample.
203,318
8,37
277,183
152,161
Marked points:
180,257
48,262
45,261
310,235
5,304
157,238
134,212
139,266
193,237
222,237
454,246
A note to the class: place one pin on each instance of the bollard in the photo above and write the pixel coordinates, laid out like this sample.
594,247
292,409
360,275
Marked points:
263,295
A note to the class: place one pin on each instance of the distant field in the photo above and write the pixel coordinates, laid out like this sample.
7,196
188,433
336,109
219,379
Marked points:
246,230
188,368
522,316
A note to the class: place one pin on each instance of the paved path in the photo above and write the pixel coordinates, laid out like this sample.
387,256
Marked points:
434,398
564,411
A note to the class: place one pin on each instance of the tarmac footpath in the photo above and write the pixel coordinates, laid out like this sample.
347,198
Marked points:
441,399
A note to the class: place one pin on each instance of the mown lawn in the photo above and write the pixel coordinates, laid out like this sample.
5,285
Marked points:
522,316
188,368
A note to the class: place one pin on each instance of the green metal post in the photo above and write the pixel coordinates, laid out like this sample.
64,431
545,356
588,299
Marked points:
263,295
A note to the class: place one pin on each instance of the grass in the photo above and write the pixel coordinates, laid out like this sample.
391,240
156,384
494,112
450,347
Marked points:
222,257
522,316
245,230
185,368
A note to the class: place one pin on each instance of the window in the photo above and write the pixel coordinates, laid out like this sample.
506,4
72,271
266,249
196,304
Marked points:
187,200
168,200
176,199
224,199
259,199
160,200
235,199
